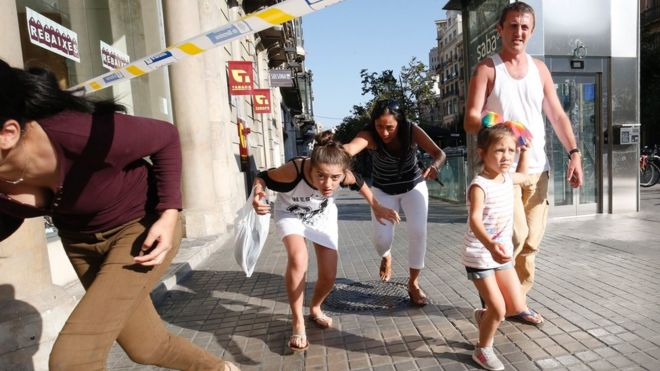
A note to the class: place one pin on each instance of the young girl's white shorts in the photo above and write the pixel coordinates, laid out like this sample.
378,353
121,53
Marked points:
321,230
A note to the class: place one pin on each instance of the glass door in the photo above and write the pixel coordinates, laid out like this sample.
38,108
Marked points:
579,96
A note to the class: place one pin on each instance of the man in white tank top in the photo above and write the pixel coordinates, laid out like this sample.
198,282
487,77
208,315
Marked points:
520,88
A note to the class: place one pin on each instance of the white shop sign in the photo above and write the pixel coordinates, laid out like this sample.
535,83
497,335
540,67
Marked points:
52,36
112,58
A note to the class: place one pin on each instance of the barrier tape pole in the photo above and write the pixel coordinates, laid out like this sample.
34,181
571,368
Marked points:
251,23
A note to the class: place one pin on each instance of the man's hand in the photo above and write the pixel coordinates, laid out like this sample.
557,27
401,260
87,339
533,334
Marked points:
574,173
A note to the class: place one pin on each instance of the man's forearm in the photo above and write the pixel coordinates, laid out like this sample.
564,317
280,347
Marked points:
472,124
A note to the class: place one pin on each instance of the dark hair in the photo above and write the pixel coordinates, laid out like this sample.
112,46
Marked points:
327,151
404,127
32,94
489,135
519,7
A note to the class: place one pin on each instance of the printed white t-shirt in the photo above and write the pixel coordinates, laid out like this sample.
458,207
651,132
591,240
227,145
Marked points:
497,218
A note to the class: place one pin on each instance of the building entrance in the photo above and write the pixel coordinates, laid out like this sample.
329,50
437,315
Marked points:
580,98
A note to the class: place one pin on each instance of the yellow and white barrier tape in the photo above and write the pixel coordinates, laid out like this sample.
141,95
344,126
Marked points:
251,23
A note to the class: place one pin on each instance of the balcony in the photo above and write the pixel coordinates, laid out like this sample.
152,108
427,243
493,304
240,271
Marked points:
273,40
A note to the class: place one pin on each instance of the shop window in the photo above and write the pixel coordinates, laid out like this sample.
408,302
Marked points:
131,27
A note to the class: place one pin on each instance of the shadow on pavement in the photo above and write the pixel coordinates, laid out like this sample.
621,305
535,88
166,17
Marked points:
238,310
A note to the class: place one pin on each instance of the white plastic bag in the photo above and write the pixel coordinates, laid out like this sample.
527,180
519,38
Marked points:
249,236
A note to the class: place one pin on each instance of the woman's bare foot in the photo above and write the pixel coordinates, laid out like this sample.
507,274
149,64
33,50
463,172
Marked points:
386,268
417,296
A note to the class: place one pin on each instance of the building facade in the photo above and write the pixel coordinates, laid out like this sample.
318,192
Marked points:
450,49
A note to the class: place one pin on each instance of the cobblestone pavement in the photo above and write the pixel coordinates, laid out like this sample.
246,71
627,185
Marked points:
598,287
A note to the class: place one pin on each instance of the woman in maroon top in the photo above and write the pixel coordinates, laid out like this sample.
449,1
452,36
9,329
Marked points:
117,214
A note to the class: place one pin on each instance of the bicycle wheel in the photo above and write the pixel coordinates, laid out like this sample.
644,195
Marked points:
648,175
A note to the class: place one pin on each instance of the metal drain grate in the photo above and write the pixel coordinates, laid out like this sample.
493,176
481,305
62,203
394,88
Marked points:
353,296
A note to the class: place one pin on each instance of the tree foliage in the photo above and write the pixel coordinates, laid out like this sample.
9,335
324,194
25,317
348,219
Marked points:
413,89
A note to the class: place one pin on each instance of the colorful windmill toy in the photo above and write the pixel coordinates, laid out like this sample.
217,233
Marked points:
491,118
523,135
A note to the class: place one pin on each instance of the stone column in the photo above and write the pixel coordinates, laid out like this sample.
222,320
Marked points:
191,116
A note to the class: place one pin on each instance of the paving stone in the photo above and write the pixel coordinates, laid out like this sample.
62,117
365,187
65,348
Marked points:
548,363
525,366
601,322
587,356
567,360
601,365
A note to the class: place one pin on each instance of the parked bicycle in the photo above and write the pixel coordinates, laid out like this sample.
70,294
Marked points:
649,166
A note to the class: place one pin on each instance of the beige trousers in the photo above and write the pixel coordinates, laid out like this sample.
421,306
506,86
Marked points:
117,306
530,215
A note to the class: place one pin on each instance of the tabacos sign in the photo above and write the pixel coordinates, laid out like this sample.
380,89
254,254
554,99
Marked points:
261,100
52,36
240,78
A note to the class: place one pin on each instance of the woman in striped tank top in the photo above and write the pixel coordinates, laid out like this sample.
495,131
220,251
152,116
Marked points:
398,183
488,247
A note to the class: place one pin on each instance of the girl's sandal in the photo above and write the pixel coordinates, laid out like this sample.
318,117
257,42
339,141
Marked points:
298,339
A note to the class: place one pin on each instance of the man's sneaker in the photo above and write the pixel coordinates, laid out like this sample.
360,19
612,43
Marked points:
478,313
487,359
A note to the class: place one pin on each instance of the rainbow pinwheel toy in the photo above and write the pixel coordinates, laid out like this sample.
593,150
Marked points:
523,135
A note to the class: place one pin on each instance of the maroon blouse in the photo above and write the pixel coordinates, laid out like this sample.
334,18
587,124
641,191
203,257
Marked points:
105,180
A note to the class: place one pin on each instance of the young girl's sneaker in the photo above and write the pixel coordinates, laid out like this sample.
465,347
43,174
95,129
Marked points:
487,359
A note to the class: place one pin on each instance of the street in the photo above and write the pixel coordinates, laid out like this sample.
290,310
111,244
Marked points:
597,287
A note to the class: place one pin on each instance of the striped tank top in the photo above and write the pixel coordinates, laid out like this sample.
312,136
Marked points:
393,176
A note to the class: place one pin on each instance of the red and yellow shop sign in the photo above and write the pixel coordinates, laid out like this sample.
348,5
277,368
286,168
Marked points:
243,144
261,100
240,78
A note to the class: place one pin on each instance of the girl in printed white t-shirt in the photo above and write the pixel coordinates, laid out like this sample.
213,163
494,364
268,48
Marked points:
488,248
305,210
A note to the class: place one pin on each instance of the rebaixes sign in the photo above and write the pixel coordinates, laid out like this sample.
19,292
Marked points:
51,35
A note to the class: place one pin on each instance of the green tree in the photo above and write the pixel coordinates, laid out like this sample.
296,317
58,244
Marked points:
351,125
417,89
413,89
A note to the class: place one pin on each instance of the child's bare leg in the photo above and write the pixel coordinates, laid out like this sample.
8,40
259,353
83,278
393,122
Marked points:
296,268
326,260
509,286
495,309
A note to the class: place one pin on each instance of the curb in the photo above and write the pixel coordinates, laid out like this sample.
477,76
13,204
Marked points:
193,252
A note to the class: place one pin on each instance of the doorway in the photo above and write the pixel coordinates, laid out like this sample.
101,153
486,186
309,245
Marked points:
579,95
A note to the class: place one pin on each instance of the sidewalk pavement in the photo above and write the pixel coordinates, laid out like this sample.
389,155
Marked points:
598,287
